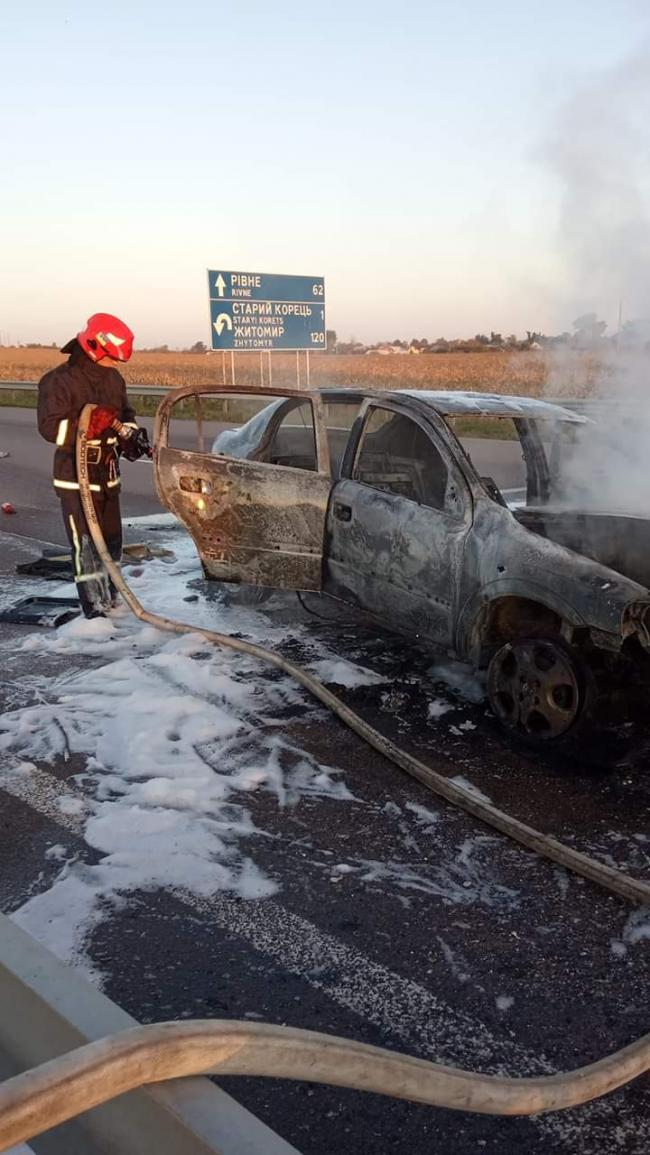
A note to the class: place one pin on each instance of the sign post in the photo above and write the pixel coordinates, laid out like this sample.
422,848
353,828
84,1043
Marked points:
266,312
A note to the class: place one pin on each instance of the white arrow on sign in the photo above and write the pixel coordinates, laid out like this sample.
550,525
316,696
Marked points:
220,285
223,321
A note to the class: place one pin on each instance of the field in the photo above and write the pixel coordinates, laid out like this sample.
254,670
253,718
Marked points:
533,373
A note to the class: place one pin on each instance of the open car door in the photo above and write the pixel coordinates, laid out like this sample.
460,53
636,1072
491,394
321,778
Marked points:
256,511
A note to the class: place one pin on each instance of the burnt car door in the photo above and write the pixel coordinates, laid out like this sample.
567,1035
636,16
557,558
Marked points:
397,523
261,520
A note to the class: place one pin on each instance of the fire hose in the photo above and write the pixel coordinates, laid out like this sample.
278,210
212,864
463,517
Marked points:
93,1074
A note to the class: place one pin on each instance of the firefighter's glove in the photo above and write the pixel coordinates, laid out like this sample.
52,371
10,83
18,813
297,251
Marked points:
136,445
101,419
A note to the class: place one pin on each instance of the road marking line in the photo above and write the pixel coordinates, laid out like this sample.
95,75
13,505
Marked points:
403,1007
370,990
375,993
43,792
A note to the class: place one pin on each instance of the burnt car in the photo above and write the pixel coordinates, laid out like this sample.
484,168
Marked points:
434,512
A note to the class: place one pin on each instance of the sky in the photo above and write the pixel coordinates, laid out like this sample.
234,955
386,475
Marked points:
420,157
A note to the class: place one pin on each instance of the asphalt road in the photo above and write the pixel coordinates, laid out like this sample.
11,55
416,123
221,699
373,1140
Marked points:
398,921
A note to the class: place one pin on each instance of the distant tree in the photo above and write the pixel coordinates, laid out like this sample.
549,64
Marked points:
198,347
481,339
351,346
330,340
588,330
496,338
635,333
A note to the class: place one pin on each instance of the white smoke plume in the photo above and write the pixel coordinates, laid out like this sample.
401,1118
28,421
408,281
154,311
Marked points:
599,154
599,151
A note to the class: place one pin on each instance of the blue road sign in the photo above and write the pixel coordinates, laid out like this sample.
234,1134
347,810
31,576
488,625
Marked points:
250,311
264,287
245,325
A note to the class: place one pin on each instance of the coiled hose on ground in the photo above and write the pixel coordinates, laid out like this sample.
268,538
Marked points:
93,1074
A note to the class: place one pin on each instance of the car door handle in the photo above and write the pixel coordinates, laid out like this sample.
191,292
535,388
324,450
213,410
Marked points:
342,512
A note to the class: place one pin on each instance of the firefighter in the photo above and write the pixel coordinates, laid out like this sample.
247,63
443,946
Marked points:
90,375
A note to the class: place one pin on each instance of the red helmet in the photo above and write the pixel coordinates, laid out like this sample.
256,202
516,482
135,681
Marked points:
106,336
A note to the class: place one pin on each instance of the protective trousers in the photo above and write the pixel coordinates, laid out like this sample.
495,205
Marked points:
94,590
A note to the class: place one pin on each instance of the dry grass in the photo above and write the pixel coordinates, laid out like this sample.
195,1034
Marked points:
529,373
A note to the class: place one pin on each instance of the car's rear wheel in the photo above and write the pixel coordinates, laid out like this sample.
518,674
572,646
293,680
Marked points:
539,689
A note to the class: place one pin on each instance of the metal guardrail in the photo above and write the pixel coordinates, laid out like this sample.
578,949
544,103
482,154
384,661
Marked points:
47,1009
163,390
579,405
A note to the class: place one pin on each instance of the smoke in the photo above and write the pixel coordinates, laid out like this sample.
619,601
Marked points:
605,466
599,155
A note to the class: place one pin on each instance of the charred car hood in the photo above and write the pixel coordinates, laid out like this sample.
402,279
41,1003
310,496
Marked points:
619,541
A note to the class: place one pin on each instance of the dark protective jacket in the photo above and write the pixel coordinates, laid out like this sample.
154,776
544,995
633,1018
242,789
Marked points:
62,394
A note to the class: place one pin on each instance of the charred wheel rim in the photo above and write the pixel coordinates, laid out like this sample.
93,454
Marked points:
534,688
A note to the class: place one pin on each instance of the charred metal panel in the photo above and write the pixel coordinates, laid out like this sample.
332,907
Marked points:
636,620
503,559
399,560
465,403
396,555
250,521
619,541
537,468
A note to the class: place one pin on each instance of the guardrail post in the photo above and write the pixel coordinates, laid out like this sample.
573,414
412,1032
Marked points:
47,1009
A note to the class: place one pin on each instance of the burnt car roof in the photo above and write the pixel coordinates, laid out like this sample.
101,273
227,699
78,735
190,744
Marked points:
463,403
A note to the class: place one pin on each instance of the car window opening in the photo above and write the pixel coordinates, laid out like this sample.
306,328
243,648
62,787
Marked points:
294,442
398,457
494,448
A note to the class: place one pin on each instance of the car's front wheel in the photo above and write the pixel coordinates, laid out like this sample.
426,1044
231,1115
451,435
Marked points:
539,689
